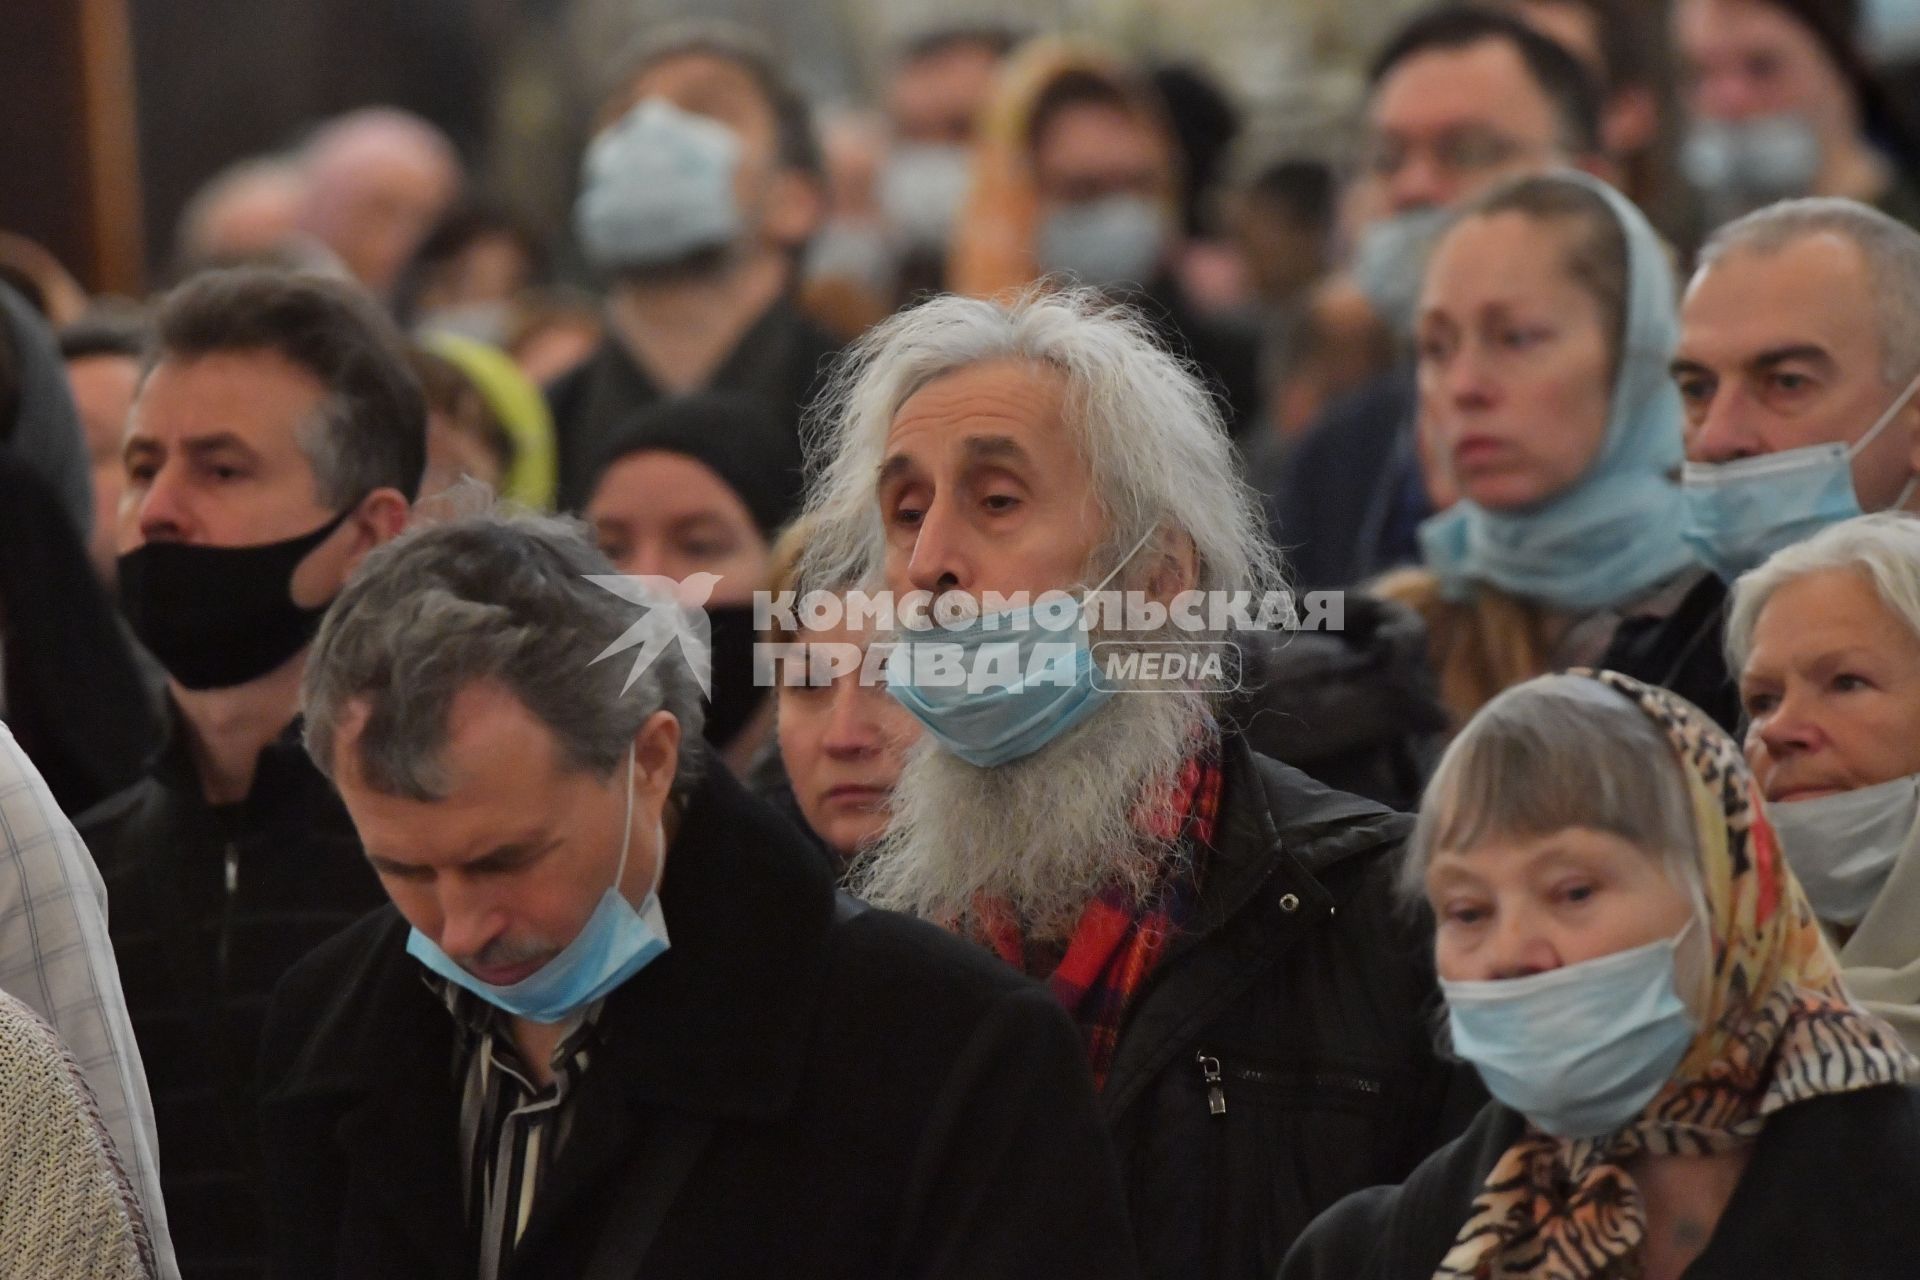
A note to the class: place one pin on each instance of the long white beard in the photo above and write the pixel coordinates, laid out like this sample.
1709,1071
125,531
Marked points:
1044,834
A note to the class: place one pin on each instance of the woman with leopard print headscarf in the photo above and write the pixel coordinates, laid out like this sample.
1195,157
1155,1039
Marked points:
1682,1086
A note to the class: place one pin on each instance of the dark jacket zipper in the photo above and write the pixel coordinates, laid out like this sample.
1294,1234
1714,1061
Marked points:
1215,1076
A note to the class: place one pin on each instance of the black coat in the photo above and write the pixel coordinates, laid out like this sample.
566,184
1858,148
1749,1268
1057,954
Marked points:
880,1099
1314,997
1827,1196
782,358
1353,707
210,908
1684,652
1345,502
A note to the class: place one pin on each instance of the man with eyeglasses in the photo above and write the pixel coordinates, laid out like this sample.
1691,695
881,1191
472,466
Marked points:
1461,99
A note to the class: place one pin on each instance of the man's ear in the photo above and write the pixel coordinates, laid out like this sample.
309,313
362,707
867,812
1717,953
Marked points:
380,518
1175,568
656,757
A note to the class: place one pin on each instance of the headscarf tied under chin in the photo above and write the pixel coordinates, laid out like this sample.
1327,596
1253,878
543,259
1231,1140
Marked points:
1779,1030
1615,534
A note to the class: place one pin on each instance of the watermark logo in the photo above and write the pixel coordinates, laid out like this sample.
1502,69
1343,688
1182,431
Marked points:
675,614
1121,641
1210,666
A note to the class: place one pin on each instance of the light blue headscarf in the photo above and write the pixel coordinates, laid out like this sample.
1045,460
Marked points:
1616,533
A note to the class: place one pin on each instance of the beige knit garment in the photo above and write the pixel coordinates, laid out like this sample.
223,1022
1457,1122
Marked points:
67,1208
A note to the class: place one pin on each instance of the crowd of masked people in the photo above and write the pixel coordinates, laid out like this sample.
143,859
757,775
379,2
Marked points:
412,866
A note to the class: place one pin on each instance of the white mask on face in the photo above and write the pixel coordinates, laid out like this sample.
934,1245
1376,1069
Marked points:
1843,847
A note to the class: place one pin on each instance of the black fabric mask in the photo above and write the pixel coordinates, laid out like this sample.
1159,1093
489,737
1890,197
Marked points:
217,617
735,696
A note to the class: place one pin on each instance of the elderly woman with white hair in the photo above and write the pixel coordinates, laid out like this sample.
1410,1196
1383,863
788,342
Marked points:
1826,638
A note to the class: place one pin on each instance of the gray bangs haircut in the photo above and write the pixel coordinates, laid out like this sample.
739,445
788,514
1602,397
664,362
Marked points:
1558,751
499,597
1891,249
1152,435
1883,548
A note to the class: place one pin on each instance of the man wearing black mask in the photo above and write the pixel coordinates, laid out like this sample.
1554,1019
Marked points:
698,194
278,436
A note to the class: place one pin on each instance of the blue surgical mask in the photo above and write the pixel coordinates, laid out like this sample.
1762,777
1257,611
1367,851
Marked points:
616,943
1390,263
1106,243
1006,684
657,189
922,189
1843,847
1739,513
1581,1050
1741,165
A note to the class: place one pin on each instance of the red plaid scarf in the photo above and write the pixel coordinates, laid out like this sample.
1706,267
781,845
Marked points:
1116,945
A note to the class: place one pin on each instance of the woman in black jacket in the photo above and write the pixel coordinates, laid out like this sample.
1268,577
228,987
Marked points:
1683,1088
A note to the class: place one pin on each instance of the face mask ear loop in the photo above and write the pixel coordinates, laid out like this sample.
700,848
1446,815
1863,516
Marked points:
1873,432
1124,560
626,833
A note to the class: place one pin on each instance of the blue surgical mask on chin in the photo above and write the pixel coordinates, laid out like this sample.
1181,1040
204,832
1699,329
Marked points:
1038,678
616,942
1739,513
1843,847
1580,1050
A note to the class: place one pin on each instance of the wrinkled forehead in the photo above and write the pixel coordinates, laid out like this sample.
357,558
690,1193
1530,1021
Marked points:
1008,412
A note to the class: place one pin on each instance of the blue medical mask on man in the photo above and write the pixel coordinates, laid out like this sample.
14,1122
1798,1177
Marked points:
1390,263
922,189
1109,243
1006,684
1579,1050
617,941
1738,166
658,188
1738,513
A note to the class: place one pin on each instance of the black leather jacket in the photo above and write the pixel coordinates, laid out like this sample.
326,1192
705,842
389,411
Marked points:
1283,1053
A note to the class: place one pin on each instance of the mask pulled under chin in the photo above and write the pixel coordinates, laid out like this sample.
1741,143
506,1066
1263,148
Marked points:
217,617
1843,847
617,942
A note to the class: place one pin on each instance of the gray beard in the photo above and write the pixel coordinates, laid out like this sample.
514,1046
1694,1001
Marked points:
1045,833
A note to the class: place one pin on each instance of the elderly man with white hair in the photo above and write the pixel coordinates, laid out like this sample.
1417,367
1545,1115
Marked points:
1826,638
1217,923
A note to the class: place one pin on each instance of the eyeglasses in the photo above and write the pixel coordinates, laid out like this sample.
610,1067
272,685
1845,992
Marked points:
1457,151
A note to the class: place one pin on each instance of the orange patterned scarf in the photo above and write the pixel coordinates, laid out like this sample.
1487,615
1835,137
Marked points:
1781,1030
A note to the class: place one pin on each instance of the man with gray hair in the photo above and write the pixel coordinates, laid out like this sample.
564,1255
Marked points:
1218,924
1798,363
617,1022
